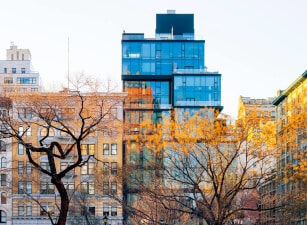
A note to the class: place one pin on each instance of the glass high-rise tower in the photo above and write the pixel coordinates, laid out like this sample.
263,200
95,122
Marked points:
166,72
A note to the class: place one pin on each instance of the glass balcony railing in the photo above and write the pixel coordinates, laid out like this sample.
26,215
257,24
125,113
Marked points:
193,71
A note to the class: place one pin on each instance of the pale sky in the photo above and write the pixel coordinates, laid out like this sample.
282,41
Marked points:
259,46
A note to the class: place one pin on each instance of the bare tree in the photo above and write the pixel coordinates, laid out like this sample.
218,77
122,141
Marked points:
74,116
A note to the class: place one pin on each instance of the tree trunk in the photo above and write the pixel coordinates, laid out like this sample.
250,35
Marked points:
64,201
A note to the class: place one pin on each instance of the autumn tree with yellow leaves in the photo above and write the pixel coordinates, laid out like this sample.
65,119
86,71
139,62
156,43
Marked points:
201,167
291,174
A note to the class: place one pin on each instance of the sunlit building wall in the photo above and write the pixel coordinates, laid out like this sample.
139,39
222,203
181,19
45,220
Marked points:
90,187
291,116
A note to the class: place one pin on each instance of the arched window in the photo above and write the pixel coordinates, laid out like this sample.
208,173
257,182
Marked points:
44,130
3,198
20,130
2,146
29,131
3,162
2,216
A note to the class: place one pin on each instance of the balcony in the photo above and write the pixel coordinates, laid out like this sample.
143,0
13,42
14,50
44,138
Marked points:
194,71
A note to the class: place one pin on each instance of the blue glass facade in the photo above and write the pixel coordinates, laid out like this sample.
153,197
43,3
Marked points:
161,57
162,74
176,68
197,91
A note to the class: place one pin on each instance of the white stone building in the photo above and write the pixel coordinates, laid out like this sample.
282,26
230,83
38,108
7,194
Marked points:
5,170
16,73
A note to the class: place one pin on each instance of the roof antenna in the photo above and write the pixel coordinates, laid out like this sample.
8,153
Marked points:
68,65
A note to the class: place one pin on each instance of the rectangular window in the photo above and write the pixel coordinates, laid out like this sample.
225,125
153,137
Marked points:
28,168
3,179
8,80
106,168
21,149
45,166
29,187
106,209
23,70
105,131
91,188
25,113
114,210
113,168
88,168
91,210
26,80
13,70
114,149
34,89
70,186
106,149
3,113
64,165
46,188
88,187
67,113
20,209
20,167
114,113
114,188
20,130
88,149
5,70
29,132
105,188
21,187
46,207
28,209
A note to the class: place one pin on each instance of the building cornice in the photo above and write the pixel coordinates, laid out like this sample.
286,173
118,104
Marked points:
286,92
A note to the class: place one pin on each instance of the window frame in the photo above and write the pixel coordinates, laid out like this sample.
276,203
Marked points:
2,146
20,167
88,149
28,209
106,148
29,131
46,188
114,150
29,187
3,179
3,216
21,149
3,162
20,209
114,209
28,168
106,188
21,187
88,168
113,187
3,198
114,168
106,209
